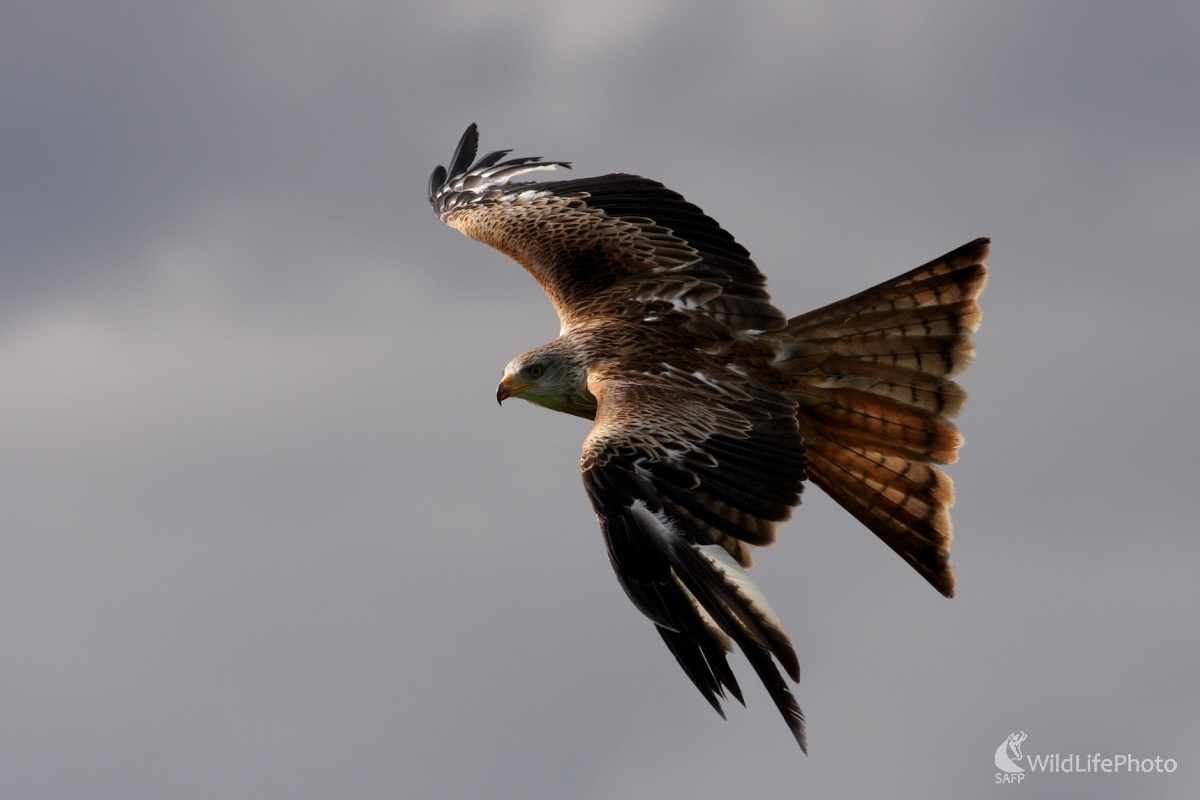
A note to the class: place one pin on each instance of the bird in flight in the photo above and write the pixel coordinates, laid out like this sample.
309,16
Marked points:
711,407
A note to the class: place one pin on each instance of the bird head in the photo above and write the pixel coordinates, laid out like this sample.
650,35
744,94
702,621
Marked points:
550,378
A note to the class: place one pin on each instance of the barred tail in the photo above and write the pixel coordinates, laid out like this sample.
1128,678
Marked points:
872,376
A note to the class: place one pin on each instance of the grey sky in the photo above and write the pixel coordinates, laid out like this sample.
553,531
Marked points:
266,534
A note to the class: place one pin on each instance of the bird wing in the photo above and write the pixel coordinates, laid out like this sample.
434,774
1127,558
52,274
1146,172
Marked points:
611,246
684,468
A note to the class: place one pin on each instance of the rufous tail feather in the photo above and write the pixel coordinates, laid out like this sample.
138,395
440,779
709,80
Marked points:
872,376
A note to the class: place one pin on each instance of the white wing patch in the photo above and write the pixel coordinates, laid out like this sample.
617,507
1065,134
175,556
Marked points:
737,579
655,523
710,624
659,525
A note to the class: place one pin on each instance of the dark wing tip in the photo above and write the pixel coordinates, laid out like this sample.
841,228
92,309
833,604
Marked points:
460,162
464,154
436,181
466,180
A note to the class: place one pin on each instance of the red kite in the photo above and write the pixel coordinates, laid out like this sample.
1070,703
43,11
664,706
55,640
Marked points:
711,407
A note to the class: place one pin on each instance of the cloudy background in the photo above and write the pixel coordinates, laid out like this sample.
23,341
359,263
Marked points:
265,534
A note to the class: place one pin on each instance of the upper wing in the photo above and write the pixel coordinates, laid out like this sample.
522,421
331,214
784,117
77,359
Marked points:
683,469
614,245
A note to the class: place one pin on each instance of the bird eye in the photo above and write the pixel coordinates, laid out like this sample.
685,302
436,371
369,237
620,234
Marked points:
536,370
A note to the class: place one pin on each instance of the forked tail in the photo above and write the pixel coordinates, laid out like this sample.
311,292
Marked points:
872,376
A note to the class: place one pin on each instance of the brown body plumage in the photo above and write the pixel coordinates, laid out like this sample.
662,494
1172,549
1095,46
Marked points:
711,408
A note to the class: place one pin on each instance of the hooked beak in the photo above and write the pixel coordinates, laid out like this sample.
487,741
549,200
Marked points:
509,389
